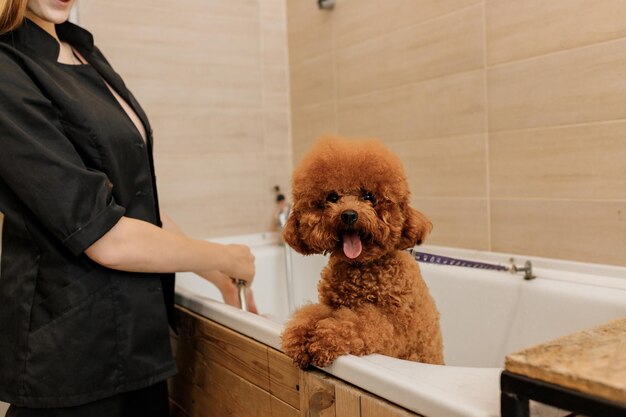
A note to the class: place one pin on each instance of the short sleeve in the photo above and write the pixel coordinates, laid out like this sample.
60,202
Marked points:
39,165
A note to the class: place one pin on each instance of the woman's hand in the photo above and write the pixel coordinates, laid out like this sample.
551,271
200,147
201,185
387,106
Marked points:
241,265
229,290
230,294
241,259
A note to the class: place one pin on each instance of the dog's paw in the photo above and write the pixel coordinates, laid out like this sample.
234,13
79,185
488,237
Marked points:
294,343
300,358
323,357
298,352
296,338
331,339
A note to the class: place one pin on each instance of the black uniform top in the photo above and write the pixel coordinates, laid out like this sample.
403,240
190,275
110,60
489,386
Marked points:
71,164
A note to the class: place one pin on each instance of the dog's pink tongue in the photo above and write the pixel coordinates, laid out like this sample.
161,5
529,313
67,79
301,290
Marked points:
351,245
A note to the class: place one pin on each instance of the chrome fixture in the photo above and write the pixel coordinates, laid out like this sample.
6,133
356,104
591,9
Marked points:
527,269
284,208
326,4
241,292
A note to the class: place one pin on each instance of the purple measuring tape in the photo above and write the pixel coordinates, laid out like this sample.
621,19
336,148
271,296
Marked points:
444,260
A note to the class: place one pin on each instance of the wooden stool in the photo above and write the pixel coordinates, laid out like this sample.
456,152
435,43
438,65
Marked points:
584,372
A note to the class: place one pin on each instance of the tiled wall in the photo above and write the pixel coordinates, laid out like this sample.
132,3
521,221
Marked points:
510,116
212,76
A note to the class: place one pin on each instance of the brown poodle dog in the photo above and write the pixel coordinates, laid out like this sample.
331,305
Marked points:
351,200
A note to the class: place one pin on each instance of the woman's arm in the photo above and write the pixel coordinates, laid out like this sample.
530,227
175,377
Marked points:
138,246
170,225
135,245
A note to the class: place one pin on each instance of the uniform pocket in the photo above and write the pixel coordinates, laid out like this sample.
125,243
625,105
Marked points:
67,298
76,353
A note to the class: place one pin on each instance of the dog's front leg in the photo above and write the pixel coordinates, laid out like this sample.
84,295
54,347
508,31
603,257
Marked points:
361,331
298,332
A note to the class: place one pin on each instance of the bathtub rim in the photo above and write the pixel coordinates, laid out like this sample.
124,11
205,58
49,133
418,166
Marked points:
373,373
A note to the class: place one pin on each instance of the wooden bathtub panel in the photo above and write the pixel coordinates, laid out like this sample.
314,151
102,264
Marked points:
237,353
347,401
174,343
220,374
317,395
176,410
326,396
282,409
284,378
376,407
218,392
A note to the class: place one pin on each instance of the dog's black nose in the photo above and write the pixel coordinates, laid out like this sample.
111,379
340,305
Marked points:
349,217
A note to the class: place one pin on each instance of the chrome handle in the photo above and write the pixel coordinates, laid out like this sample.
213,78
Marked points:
527,269
241,292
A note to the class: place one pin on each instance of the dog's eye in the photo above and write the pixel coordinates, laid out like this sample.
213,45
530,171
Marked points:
332,197
367,196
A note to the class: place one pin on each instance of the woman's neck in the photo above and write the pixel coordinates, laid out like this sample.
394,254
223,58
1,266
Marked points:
44,24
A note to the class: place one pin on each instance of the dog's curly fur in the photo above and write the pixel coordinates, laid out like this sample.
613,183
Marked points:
376,302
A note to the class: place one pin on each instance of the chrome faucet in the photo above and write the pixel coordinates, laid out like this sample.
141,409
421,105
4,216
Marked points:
283,208
282,216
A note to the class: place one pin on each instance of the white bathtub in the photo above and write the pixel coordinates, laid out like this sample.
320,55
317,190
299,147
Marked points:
484,316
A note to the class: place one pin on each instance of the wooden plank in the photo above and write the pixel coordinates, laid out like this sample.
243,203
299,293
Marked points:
282,409
210,390
187,362
375,407
592,361
347,400
176,410
237,353
190,365
284,378
317,395
174,344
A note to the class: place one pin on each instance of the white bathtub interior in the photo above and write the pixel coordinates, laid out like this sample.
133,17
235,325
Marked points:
484,316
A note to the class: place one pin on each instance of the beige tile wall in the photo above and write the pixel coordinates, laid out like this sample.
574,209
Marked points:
213,77
510,116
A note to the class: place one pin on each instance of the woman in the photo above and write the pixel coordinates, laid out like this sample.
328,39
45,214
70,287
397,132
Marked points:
86,282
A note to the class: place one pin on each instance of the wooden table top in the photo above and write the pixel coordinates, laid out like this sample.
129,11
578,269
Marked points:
592,361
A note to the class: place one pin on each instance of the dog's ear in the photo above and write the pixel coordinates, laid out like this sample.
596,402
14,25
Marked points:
416,228
291,233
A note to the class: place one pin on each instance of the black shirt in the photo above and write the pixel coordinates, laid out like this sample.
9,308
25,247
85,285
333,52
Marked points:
72,163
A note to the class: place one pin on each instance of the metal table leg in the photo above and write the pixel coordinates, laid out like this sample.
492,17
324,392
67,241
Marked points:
517,390
512,405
